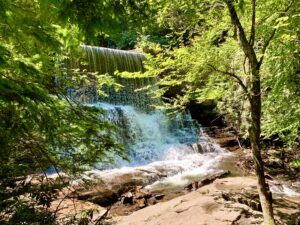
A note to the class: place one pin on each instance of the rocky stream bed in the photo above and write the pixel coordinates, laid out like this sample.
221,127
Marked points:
128,197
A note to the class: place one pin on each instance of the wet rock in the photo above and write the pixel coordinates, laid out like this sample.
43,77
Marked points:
107,187
127,198
227,138
189,187
206,180
142,203
141,193
296,185
227,142
198,148
123,181
159,196
152,201
99,195
210,178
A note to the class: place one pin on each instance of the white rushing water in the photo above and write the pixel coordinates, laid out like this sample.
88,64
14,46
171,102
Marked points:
177,147
162,152
283,189
154,142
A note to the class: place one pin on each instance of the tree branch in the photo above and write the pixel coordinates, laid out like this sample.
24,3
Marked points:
18,39
252,35
267,43
237,78
264,49
246,46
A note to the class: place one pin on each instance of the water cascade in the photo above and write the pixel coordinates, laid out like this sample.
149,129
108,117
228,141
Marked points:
151,137
108,61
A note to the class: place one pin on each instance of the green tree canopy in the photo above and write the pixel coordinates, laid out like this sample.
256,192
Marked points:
41,125
232,60
203,69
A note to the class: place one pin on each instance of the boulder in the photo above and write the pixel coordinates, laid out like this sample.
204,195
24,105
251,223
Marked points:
198,148
99,195
127,198
108,186
159,196
206,180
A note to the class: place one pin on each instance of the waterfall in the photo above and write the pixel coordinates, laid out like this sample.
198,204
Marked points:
151,137
107,61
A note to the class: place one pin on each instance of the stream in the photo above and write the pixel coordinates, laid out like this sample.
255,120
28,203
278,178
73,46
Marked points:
170,151
177,148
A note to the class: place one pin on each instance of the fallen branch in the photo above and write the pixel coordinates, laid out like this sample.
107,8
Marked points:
102,217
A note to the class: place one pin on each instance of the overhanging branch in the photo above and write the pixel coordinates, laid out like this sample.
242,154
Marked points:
236,77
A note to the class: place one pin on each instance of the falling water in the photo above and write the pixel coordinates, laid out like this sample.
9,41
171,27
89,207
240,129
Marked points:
150,136
152,139
108,61
175,148
105,60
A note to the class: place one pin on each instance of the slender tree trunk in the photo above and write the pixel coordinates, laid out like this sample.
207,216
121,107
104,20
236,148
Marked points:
255,107
254,132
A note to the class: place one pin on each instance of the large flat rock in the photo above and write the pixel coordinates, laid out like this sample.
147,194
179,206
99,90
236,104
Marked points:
207,206
201,207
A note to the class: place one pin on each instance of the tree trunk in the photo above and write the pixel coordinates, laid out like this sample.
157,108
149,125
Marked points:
255,108
254,132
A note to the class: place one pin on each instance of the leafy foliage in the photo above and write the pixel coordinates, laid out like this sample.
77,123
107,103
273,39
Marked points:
115,22
241,49
193,53
282,98
200,71
41,126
